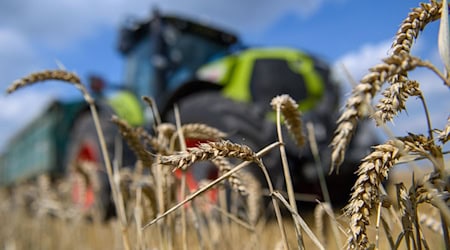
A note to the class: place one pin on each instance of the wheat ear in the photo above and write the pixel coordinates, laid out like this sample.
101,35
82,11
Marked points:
393,69
213,183
201,131
46,75
235,179
292,116
372,171
208,151
396,95
407,214
358,105
132,138
416,21
394,100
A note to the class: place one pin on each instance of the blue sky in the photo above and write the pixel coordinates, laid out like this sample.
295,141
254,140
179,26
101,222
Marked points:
35,35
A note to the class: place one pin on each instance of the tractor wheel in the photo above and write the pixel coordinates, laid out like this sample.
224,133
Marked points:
90,189
244,124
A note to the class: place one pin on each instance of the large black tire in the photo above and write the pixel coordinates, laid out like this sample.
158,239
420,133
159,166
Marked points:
247,124
85,160
244,124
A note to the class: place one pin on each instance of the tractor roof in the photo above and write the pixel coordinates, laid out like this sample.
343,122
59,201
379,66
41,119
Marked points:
132,33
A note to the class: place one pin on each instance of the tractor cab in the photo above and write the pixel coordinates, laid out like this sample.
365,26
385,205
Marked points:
164,52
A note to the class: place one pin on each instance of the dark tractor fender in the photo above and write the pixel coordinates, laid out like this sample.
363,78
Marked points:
189,88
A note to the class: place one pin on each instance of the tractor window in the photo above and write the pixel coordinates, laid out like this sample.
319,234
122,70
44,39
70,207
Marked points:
183,54
139,72
271,77
187,52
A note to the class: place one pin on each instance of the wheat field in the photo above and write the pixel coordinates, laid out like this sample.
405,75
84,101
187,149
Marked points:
387,209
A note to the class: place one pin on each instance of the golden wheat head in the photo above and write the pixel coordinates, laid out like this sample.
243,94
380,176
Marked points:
292,116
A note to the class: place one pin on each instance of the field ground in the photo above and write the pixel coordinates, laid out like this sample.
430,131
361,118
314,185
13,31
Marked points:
20,230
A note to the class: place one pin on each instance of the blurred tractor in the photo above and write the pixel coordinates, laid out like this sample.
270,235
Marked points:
215,80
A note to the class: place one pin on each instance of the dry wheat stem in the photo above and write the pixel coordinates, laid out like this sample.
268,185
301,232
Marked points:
152,104
234,218
315,152
319,212
322,181
377,235
299,222
182,143
277,209
336,227
210,185
75,80
387,231
286,105
165,130
138,217
430,66
406,212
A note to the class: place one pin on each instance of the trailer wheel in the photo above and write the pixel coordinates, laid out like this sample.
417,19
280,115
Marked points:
90,189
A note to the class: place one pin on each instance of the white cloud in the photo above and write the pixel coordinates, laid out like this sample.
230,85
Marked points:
17,56
61,22
359,61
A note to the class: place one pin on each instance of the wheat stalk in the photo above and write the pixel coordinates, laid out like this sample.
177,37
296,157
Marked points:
152,104
75,80
285,105
298,220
